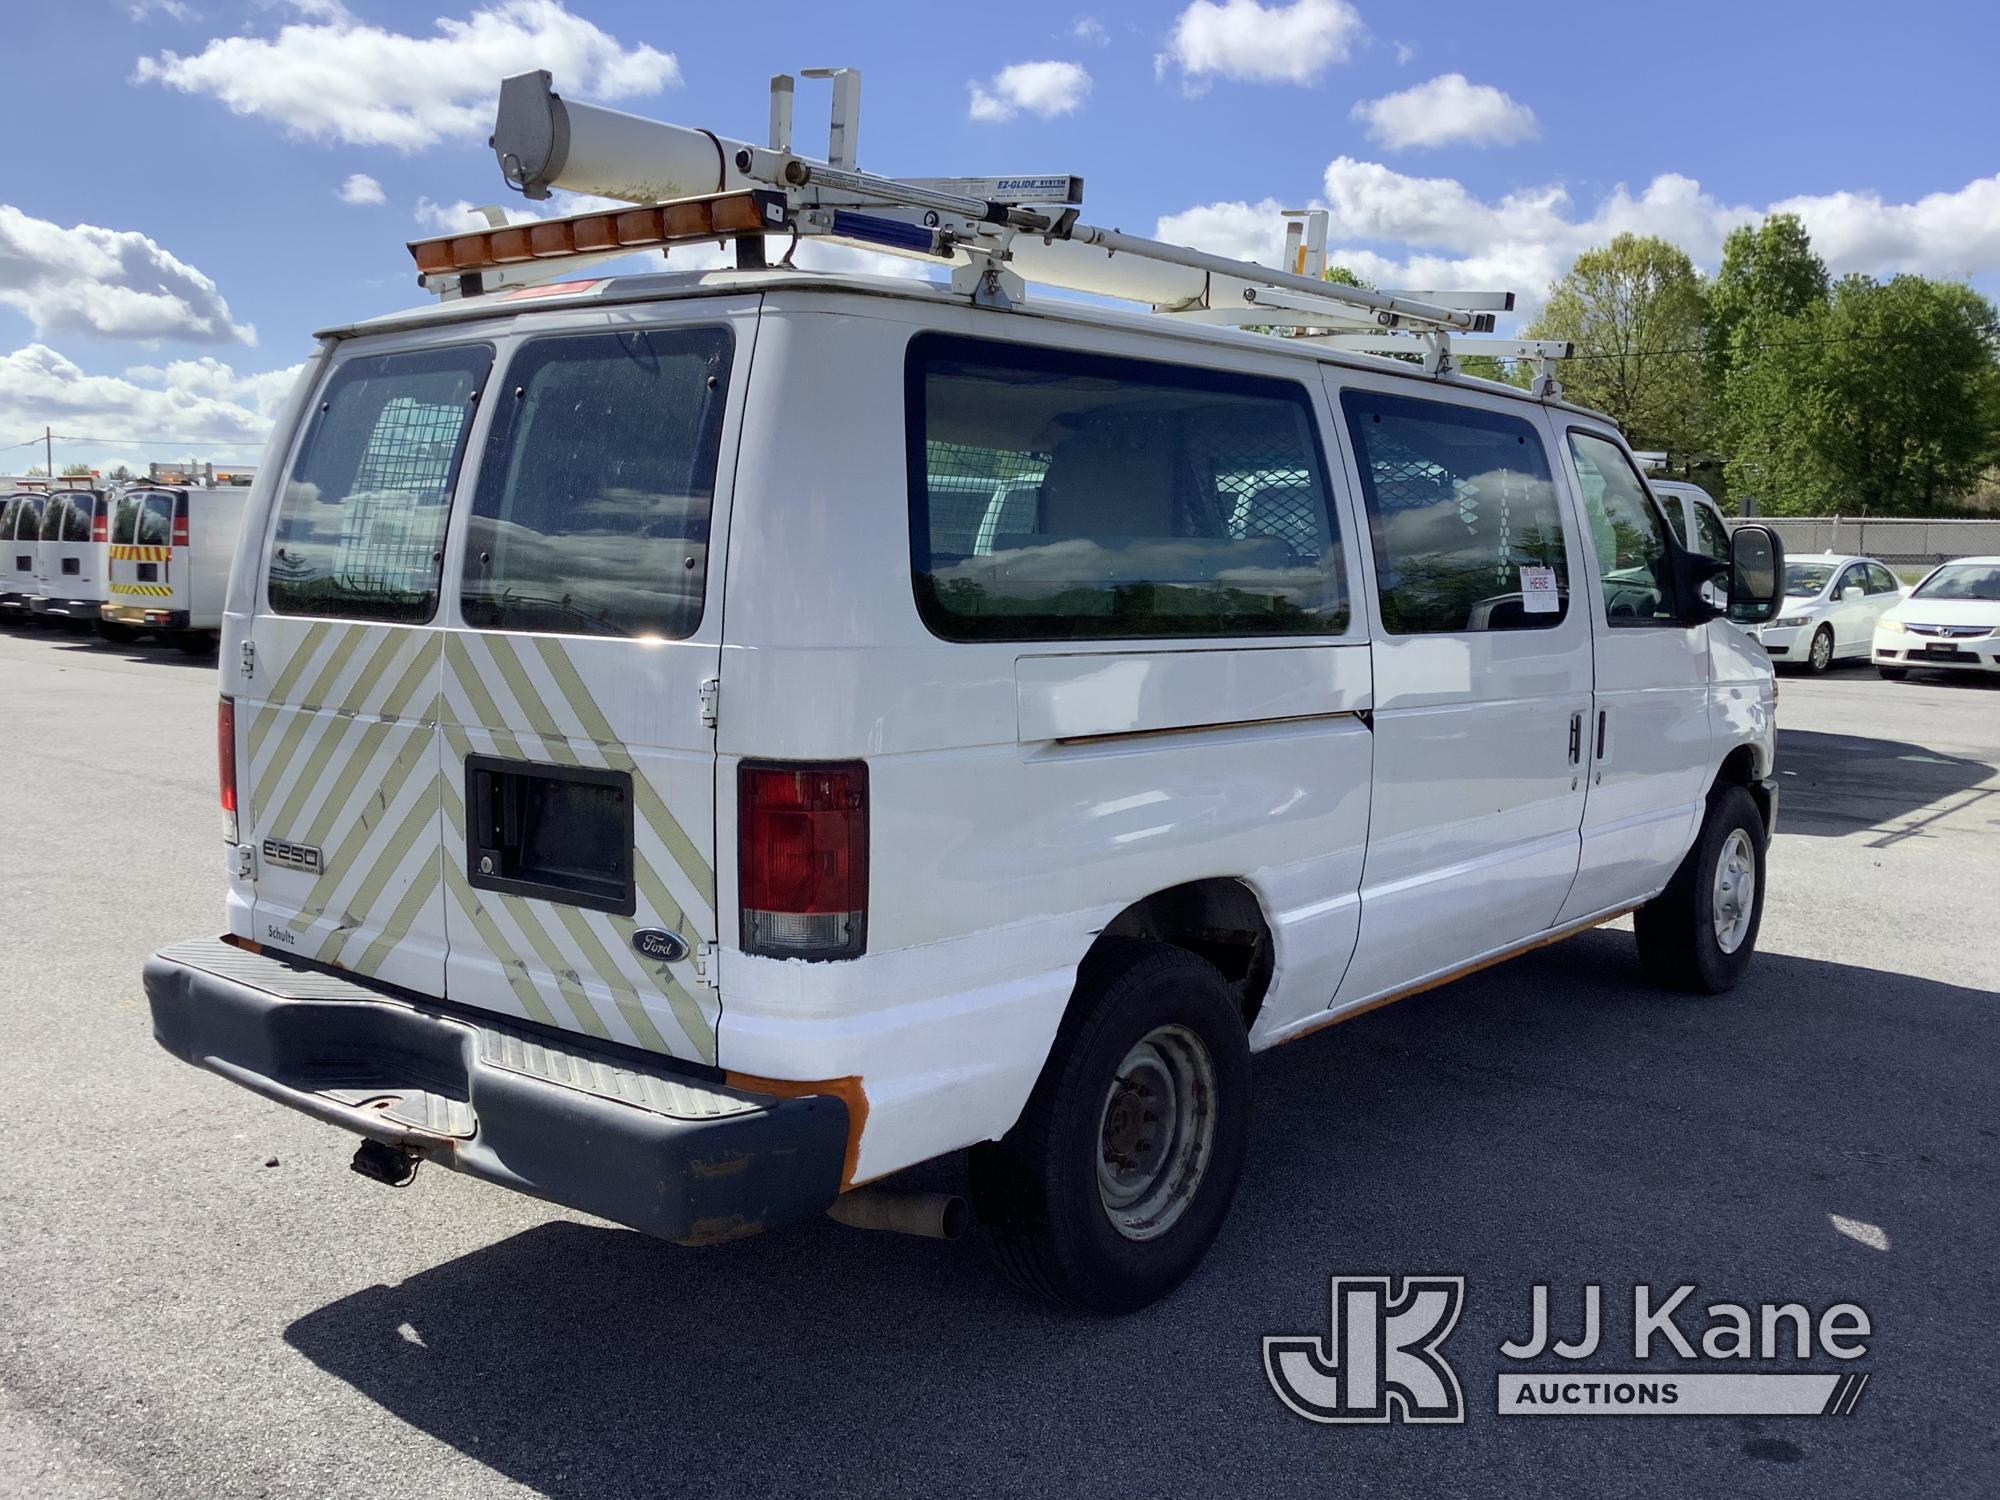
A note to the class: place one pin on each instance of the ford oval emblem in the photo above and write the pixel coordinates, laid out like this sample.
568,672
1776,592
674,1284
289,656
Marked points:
658,943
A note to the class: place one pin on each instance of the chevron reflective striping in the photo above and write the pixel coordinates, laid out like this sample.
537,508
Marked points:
397,925
127,552
597,958
144,590
279,694
694,1021
355,846
523,987
389,851
651,808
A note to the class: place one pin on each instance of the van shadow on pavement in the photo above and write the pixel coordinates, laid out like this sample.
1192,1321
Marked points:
1552,1120
1835,784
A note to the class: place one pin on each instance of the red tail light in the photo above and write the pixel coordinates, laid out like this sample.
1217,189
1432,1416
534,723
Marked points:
225,759
802,859
100,520
180,520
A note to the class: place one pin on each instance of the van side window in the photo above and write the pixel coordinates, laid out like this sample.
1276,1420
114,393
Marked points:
592,510
1711,536
156,521
1630,534
361,523
1065,496
1462,511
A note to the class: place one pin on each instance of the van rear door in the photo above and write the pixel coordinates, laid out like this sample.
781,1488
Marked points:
142,534
338,783
579,754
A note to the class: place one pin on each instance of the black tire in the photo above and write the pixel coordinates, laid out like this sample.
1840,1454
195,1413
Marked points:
1048,1220
1819,655
116,634
196,642
1893,674
1677,931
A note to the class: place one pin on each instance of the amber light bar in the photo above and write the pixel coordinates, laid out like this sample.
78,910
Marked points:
682,221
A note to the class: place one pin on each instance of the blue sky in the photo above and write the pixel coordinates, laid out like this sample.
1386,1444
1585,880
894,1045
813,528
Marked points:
172,225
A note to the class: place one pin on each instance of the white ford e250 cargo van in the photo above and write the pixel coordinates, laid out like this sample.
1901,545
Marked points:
695,744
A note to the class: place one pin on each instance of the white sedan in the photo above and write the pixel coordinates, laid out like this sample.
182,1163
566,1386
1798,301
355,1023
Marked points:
1950,621
1830,608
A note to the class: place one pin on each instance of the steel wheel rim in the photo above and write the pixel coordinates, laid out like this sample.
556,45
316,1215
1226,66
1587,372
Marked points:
1734,894
1822,651
1156,1132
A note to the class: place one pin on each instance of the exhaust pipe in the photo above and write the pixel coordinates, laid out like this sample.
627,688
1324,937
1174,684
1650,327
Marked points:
934,1216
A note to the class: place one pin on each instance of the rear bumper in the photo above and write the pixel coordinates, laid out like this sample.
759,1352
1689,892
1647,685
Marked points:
69,609
13,602
146,619
598,1128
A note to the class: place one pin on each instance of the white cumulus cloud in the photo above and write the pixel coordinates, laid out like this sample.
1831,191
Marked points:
334,77
1090,29
114,282
1446,111
360,188
1046,89
1244,40
104,420
1399,230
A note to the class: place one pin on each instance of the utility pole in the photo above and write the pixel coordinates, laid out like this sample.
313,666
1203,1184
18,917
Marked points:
49,453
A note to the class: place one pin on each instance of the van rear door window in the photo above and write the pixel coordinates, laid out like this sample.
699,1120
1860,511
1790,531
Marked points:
156,521
125,520
1065,496
76,519
592,511
361,525
52,519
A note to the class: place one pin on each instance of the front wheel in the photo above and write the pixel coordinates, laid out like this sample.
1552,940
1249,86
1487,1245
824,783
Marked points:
1700,933
1821,655
1117,1177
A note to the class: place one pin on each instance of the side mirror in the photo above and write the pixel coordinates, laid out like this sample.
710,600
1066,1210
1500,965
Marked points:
1852,592
1756,574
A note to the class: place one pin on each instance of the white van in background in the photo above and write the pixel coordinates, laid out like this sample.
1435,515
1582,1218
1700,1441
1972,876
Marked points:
170,555
20,540
693,745
1697,518
71,565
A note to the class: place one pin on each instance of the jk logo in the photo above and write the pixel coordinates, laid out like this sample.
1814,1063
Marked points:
1382,1362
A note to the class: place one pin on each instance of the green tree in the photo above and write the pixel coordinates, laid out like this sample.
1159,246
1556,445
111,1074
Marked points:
1637,311
120,474
1767,273
76,471
1904,392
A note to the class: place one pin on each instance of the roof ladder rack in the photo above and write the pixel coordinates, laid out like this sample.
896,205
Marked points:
689,186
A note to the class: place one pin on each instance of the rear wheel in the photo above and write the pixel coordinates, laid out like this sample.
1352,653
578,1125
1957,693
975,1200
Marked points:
1700,933
196,642
1894,674
1116,1179
1821,656
118,635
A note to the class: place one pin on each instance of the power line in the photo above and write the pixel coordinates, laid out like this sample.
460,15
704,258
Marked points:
214,442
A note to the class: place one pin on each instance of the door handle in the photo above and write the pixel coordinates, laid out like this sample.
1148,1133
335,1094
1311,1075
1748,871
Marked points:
1600,734
1575,738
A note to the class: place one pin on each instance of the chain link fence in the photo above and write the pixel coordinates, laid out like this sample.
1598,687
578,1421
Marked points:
1890,540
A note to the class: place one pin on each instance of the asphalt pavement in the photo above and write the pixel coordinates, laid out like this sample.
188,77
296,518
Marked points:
198,1299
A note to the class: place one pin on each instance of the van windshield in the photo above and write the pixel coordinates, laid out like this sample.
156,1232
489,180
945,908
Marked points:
361,524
